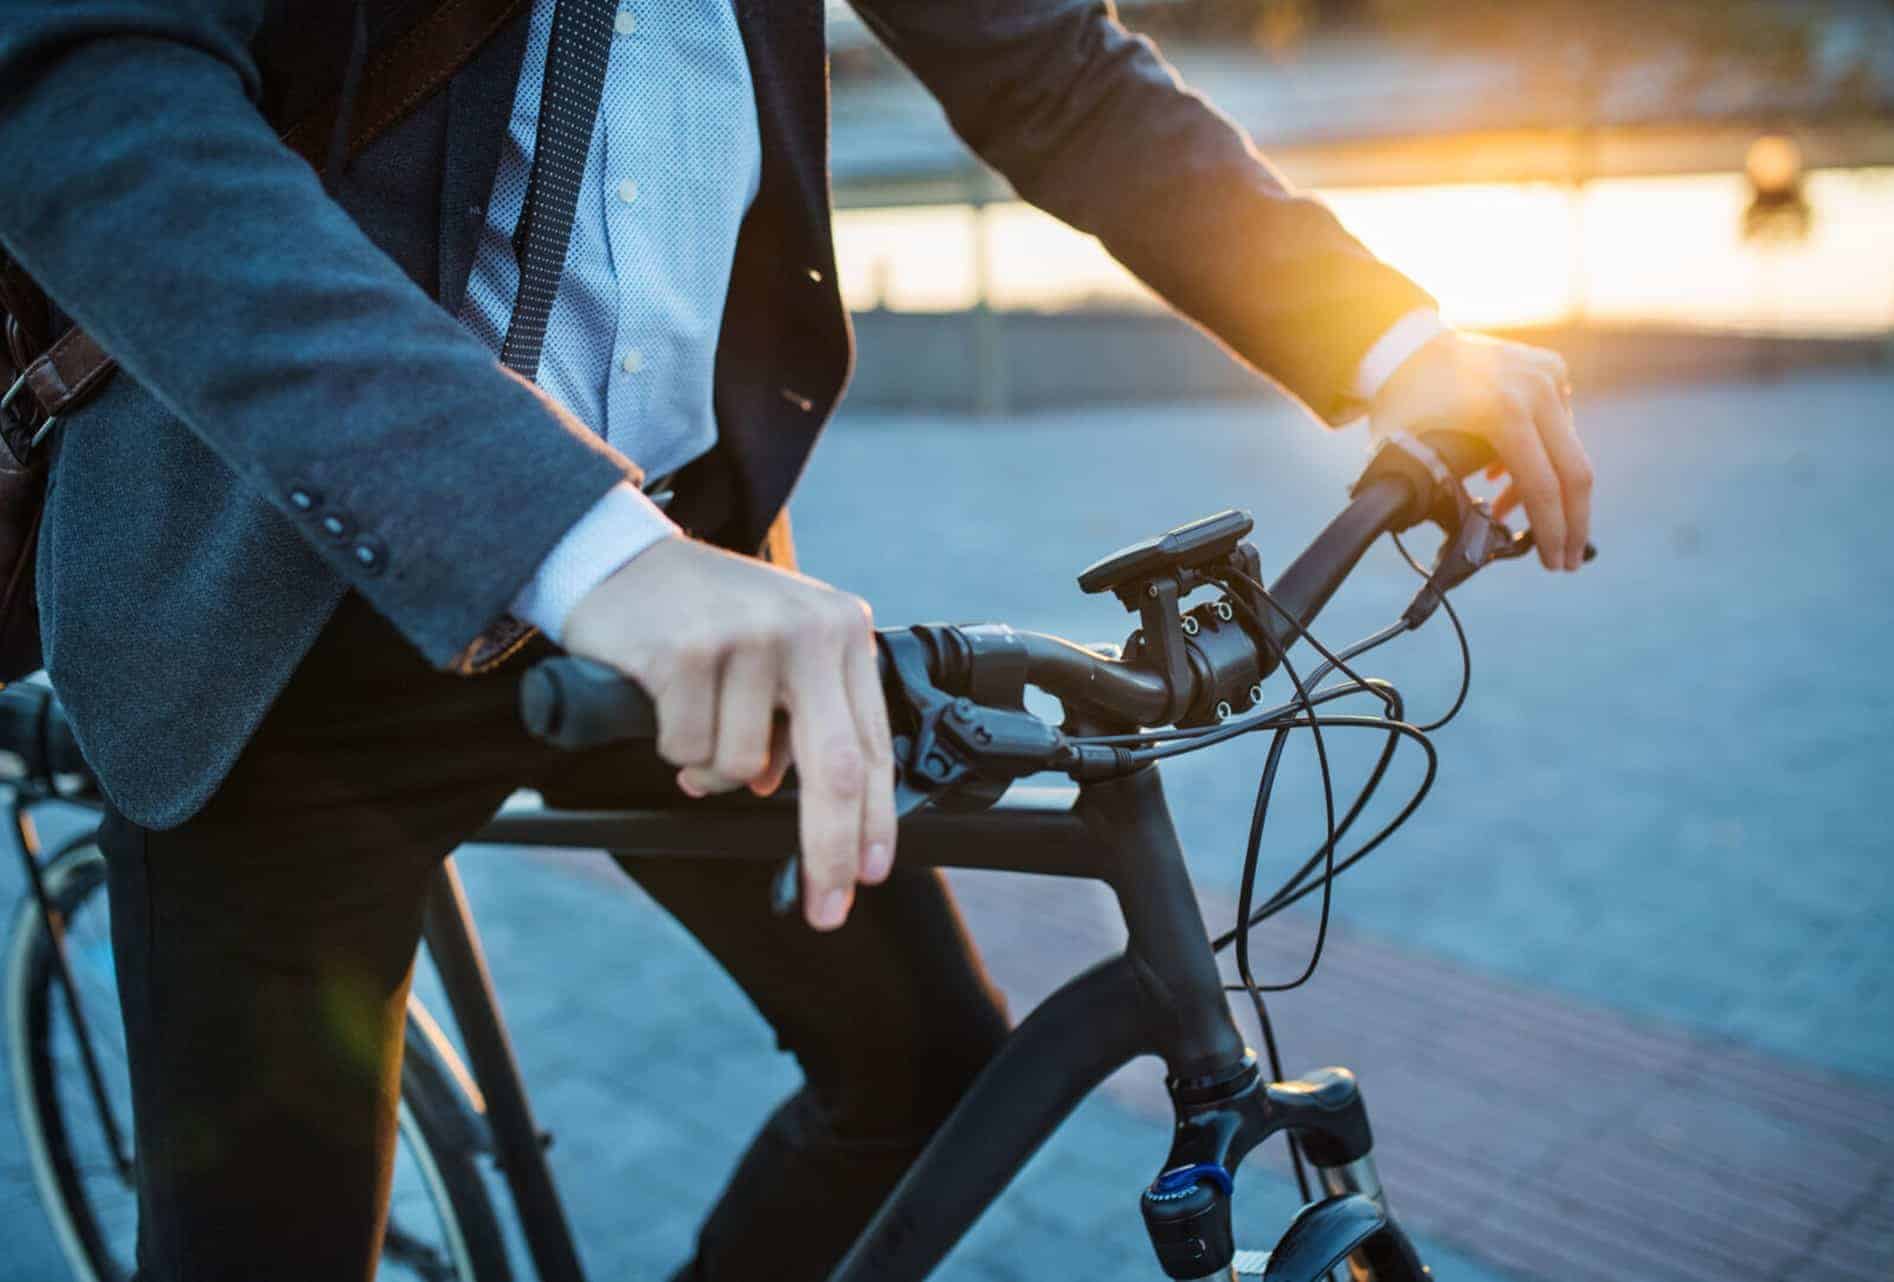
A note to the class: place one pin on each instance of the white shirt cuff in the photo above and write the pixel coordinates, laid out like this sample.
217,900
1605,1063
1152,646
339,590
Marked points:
617,528
1402,339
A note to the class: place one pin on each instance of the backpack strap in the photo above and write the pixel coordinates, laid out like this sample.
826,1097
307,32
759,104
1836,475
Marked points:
402,74
68,372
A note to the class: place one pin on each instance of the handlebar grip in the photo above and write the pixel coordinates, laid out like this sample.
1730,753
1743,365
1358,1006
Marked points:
571,702
1463,454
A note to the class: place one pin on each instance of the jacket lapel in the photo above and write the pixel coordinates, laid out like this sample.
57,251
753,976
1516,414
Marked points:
787,45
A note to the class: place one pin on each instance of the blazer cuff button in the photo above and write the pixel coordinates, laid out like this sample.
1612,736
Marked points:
370,555
337,526
304,499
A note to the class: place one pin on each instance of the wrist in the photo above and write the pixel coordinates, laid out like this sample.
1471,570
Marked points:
1394,351
619,528
1414,390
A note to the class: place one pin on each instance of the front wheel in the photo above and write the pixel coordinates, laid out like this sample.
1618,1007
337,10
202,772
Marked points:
441,1226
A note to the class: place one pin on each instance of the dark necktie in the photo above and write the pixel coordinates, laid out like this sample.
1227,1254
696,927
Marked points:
580,47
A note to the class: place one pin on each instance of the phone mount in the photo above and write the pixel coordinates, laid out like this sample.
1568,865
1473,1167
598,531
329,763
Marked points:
1151,578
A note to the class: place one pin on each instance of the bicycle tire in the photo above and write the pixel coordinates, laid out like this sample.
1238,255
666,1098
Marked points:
95,1240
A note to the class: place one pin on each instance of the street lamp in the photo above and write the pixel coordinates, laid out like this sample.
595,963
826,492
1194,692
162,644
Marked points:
1778,210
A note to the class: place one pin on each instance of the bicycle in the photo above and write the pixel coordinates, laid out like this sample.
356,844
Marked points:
963,737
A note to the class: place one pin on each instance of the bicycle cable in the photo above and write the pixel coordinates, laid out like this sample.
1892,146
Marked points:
1460,634
1302,713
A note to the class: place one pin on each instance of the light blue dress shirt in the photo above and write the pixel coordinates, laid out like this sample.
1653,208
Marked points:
631,343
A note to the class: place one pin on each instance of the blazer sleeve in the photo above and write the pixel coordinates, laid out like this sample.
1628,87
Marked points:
148,196
1089,123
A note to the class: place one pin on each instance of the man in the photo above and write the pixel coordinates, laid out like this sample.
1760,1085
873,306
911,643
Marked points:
283,558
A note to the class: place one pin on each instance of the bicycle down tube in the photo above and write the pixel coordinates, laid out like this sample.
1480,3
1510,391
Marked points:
1162,996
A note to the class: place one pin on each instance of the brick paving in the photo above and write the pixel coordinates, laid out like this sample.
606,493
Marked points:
1552,1139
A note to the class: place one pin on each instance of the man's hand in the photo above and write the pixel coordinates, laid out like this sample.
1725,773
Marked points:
722,643
1518,398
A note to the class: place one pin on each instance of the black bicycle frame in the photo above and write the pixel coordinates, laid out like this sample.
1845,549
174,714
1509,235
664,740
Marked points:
1163,995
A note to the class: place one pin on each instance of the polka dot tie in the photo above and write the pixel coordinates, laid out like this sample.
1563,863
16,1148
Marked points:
581,45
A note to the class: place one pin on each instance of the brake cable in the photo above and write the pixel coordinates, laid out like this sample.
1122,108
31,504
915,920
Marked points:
1206,553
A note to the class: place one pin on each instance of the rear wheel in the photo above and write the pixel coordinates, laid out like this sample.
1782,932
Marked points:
441,1226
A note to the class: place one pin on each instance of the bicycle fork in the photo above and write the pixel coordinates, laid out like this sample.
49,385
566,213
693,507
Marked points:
1223,1107
1187,1208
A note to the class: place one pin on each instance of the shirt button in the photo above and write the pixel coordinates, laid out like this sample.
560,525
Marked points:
632,361
628,191
625,23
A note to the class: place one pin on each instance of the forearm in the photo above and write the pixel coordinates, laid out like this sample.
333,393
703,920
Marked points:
150,199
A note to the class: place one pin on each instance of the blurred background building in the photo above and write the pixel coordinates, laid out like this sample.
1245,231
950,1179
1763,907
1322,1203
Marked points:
1656,188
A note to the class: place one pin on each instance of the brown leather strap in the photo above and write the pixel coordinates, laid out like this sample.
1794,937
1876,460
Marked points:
66,374
404,73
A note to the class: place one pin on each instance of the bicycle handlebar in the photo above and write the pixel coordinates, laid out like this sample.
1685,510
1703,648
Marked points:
571,702
578,703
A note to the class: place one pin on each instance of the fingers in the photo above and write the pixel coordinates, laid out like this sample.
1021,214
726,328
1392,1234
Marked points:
1552,416
1538,446
1537,484
687,705
863,675
766,784
746,703
831,766
751,667
1551,363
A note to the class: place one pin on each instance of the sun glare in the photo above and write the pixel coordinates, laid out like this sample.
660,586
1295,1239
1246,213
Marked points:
1492,254
1663,250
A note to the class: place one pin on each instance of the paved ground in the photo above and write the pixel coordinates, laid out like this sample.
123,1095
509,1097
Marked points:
1657,813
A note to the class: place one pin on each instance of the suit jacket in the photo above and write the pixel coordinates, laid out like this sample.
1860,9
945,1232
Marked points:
289,358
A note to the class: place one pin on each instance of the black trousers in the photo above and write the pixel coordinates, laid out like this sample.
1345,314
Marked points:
265,949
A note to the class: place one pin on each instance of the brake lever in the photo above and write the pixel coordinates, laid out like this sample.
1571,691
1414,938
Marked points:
1523,543
1479,540
785,888
954,741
